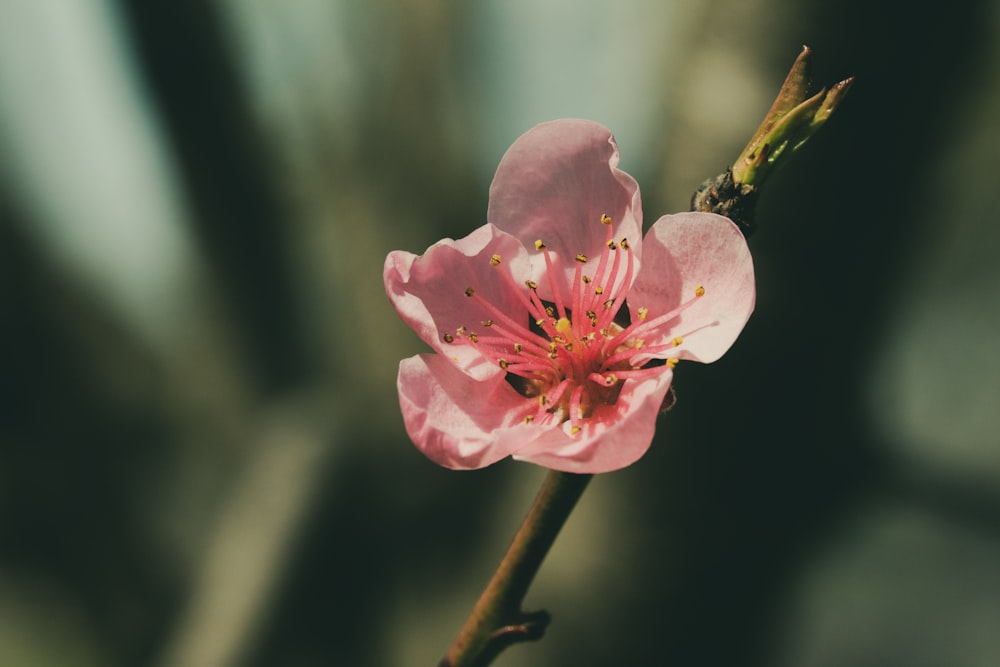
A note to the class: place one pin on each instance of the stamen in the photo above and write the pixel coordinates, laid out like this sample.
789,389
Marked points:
638,373
575,407
537,311
554,395
448,338
551,274
576,298
495,260
511,328
645,325
623,285
581,258
603,263
469,291
608,380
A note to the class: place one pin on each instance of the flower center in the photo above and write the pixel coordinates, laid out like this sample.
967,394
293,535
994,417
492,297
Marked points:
571,356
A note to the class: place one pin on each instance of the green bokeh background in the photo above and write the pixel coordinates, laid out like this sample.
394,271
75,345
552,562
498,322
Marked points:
202,462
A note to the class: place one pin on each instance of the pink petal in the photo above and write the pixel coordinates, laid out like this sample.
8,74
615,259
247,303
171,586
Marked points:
458,422
683,251
428,291
615,437
554,184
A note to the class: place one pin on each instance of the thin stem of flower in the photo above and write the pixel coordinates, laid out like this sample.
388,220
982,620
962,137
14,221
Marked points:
497,620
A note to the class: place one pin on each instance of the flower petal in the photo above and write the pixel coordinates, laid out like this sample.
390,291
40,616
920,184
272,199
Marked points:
685,251
428,291
456,421
554,184
614,437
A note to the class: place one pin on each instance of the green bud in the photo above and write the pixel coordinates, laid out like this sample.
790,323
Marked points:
792,120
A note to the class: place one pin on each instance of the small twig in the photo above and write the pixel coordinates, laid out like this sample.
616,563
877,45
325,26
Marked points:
497,620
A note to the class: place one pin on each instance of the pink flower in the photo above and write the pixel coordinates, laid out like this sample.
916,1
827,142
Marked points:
556,327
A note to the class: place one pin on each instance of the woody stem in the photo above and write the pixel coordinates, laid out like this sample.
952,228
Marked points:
497,620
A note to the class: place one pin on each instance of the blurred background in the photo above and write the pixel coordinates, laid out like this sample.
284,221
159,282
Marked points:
202,461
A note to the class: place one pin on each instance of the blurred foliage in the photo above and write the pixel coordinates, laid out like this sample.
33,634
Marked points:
201,457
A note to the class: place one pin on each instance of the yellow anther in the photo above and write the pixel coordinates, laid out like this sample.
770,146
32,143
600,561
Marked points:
586,280
678,341
531,284
487,323
553,346
643,312
474,338
612,245
550,311
448,338
503,363
553,355
573,430
598,290
469,291
539,245
672,362
607,304
529,418
699,291
539,323
542,400
581,258
610,379
564,326
494,260
605,219
639,342
517,348
623,243
461,330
